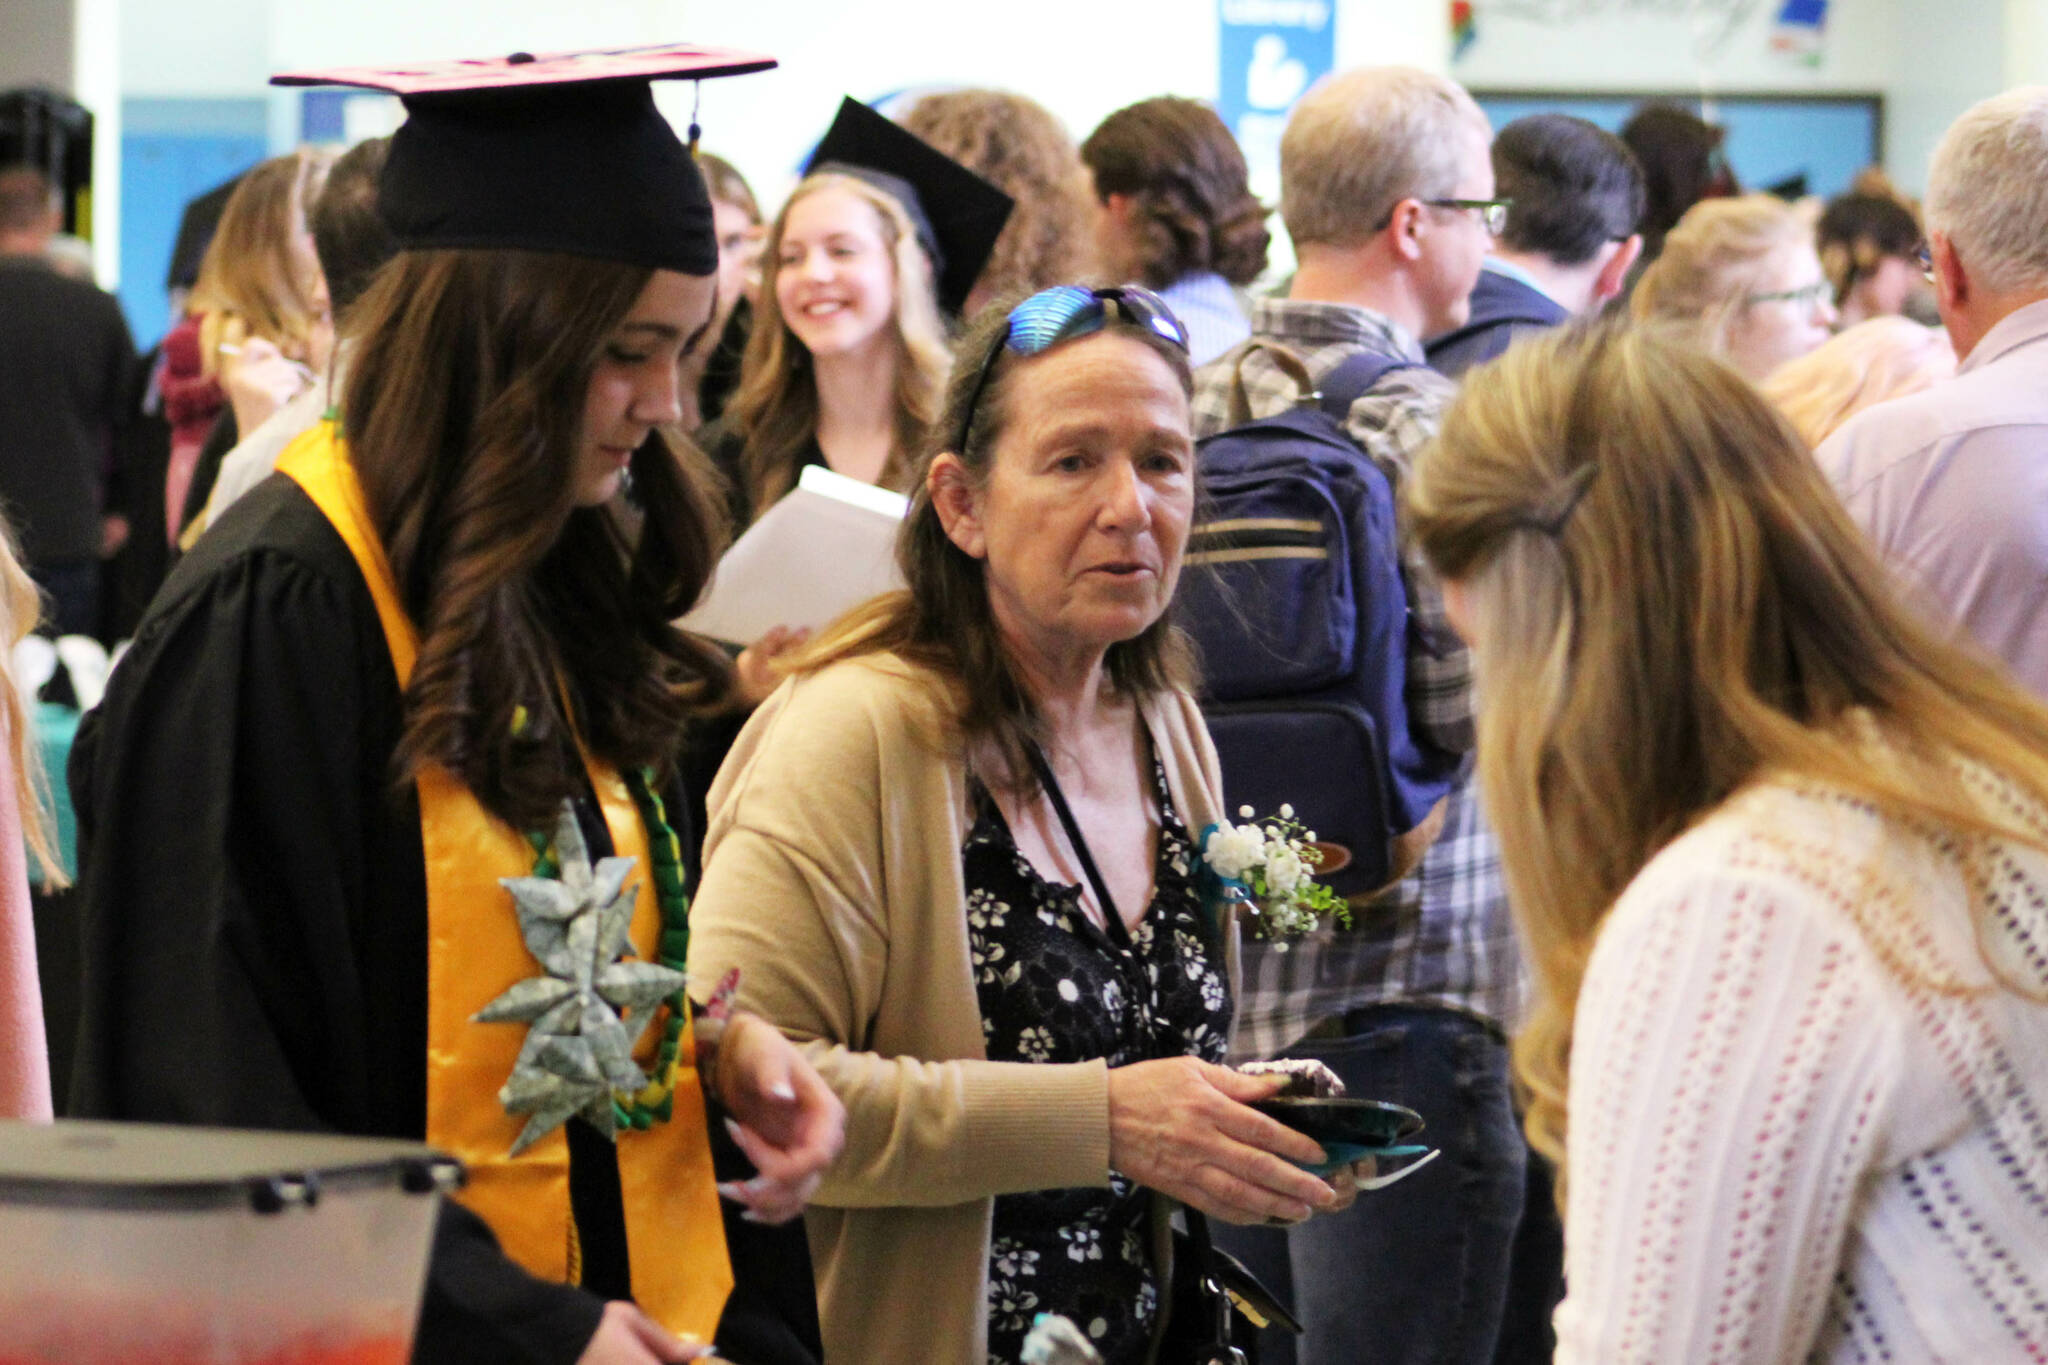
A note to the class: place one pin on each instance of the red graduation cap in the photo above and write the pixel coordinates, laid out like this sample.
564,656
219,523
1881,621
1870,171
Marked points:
563,152
659,62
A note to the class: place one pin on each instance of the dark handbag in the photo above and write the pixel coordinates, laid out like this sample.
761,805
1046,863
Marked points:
1215,1307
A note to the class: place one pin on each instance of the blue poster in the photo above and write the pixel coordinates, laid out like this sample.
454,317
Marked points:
1270,52
1801,31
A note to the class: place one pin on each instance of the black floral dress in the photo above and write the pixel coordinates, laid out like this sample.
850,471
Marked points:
1056,987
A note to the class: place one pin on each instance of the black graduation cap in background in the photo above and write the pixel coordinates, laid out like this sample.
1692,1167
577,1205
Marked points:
564,151
958,214
196,226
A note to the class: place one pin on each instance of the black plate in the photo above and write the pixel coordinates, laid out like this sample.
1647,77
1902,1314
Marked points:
1367,1123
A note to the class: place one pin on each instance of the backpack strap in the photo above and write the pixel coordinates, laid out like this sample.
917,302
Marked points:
1290,365
1355,377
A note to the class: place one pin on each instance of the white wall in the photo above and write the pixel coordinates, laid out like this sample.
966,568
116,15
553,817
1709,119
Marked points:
2026,42
96,84
206,49
1083,58
1707,46
765,123
1930,59
1951,65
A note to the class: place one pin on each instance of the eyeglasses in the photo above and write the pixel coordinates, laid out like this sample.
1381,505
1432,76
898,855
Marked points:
1923,256
1808,296
1493,213
1062,313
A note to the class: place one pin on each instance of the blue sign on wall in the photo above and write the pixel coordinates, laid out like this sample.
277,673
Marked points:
1271,51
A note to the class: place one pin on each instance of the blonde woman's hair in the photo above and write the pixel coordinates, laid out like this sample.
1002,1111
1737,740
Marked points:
250,283
1669,603
1877,360
775,408
1712,261
21,606
1362,141
1017,145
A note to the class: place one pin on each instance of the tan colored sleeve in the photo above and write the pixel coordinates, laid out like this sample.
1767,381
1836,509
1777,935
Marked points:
812,942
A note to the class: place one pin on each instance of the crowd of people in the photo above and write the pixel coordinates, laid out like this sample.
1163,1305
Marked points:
871,995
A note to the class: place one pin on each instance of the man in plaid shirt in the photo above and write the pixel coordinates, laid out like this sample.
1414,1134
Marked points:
1387,190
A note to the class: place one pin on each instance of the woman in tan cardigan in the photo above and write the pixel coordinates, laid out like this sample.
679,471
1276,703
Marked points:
955,856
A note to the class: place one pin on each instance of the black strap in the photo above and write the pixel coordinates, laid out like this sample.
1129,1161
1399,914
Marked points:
1212,1284
1219,1348
1115,921
1356,376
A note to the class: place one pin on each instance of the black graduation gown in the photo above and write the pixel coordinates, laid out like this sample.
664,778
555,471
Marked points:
253,914
710,741
725,447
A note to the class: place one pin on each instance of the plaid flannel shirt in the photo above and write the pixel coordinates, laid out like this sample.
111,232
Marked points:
1441,937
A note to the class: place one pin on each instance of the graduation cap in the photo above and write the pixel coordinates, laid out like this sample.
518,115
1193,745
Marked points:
958,215
196,226
564,151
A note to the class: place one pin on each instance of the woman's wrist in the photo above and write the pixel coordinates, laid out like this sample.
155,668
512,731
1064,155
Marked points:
708,1028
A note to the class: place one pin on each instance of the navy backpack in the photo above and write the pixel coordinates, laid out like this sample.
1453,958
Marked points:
1293,592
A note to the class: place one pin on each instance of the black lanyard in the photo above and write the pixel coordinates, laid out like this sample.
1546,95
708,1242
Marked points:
1114,922
1206,1292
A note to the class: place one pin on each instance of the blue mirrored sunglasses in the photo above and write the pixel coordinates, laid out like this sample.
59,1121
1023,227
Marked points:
1062,313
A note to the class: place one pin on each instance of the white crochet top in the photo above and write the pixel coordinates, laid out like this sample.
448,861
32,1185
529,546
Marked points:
1806,1123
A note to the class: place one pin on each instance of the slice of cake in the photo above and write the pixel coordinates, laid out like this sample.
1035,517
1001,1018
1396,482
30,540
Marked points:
1307,1078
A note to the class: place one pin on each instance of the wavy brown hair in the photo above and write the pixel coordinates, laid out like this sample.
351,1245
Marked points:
943,621
1194,210
775,409
1018,146
1669,603
538,620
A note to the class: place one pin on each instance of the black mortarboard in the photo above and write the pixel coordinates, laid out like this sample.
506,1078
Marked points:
559,152
196,226
958,214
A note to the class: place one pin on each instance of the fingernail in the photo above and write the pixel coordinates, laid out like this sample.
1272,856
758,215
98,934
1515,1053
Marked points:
749,1216
783,1090
733,1190
733,1128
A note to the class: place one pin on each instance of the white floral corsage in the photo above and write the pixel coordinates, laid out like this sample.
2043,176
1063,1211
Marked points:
1268,866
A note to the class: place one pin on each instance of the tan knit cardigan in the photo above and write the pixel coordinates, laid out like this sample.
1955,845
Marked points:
833,882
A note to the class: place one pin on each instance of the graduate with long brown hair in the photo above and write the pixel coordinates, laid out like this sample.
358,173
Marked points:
379,814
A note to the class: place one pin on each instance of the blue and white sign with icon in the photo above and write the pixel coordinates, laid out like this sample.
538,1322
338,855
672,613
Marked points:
1271,52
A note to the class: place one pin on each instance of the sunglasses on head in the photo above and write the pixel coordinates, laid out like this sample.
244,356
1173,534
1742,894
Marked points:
1062,313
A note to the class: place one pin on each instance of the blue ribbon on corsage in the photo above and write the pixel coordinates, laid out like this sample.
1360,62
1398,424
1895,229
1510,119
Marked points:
1218,892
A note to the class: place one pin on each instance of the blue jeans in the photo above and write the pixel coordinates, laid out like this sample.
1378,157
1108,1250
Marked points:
1417,1272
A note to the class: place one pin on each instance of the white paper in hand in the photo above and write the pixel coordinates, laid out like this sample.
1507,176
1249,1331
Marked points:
827,546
